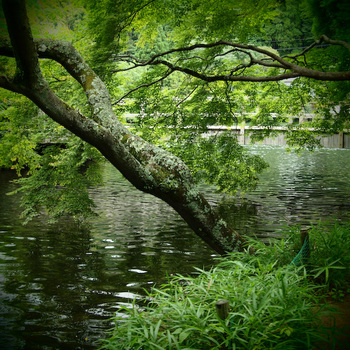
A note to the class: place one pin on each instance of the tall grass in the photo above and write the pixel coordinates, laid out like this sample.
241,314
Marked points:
330,259
272,303
329,263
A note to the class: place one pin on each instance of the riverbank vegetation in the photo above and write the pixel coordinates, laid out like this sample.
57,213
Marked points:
273,304
183,67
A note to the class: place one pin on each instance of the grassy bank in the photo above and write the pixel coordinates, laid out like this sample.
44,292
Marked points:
273,304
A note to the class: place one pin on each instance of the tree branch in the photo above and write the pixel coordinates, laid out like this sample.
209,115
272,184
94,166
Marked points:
230,77
143,86
8,84
187,96
310,47
147,167
28,68
334,42
65,54
293,70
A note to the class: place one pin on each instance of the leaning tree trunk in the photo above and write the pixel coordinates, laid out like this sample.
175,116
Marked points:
147,167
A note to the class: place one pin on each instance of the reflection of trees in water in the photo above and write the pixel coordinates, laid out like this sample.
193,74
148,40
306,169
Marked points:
44,288
298,190
145,232
239,213
9,205
59,281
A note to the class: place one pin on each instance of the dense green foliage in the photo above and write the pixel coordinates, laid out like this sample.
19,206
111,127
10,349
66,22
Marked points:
329,263
190,113
59,167
272,303
331,18
221,160
175,109
182,107
55,167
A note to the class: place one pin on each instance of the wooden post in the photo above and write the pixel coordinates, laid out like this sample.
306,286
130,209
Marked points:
303,233
222,308
243,135
341,140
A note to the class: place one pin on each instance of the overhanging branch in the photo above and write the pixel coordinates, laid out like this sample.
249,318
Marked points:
229,77
334,42
270,60
147,167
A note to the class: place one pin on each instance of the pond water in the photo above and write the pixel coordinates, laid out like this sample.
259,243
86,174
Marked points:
59,284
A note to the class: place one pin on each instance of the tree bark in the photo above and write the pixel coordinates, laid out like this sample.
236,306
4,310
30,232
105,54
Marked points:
286,68
147,167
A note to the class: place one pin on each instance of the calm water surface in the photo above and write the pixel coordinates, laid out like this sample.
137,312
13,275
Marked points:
59,284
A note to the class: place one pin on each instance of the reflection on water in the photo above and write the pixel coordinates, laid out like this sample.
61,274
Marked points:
295,190
59,284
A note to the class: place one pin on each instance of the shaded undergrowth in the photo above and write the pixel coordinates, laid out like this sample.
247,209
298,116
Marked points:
273,304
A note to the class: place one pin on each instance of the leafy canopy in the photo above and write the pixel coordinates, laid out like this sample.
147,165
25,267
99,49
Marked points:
126,43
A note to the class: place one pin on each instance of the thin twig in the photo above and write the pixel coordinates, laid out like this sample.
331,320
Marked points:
335,42
228,99
143,86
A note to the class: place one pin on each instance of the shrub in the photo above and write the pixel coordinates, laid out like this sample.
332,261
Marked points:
330,255
329,263
271,307
273,304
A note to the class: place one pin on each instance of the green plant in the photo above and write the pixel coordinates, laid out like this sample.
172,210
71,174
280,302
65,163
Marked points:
337,294
273,303
271,308
330,259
